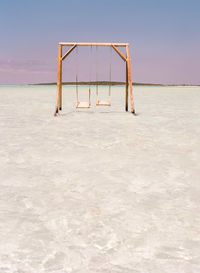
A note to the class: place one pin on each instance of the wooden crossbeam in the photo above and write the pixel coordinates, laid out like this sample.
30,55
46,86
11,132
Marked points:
68,52
119,53
94,44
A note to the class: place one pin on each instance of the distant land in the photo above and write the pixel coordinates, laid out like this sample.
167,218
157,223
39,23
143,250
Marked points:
112,83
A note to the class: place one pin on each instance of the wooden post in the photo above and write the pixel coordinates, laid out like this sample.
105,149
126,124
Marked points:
126,99
130,79
60,76
59,81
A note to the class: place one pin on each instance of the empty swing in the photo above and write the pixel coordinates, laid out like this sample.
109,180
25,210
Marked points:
81,104
101,102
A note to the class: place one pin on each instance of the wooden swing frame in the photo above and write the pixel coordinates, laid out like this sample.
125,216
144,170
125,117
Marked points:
115,46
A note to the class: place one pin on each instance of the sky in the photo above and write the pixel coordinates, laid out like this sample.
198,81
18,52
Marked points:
164,38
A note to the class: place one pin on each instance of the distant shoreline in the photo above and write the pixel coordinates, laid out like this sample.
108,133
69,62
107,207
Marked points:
112,83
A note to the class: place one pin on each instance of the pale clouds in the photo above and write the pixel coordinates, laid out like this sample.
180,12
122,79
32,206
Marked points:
26,66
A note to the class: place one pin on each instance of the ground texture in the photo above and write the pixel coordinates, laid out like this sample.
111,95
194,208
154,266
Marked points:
100,190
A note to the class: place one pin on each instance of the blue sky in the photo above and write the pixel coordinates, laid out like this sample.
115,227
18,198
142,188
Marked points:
163,36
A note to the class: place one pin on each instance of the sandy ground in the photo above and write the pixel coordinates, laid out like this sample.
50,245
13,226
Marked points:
100,190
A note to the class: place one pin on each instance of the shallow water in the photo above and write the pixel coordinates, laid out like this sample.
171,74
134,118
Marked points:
99,190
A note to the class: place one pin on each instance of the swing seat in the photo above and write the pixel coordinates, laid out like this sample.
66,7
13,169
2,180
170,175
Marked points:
83,104
103,103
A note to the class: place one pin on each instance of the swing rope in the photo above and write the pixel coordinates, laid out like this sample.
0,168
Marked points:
77,101
84,104
98,102
110,75
97,91
90,74
90,67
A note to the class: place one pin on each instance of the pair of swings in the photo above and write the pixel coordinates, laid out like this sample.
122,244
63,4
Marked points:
87,104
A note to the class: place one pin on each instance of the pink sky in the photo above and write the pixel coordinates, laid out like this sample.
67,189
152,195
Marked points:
163,35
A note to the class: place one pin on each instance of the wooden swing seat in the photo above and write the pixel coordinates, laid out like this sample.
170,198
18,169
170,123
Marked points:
103,103
83,104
